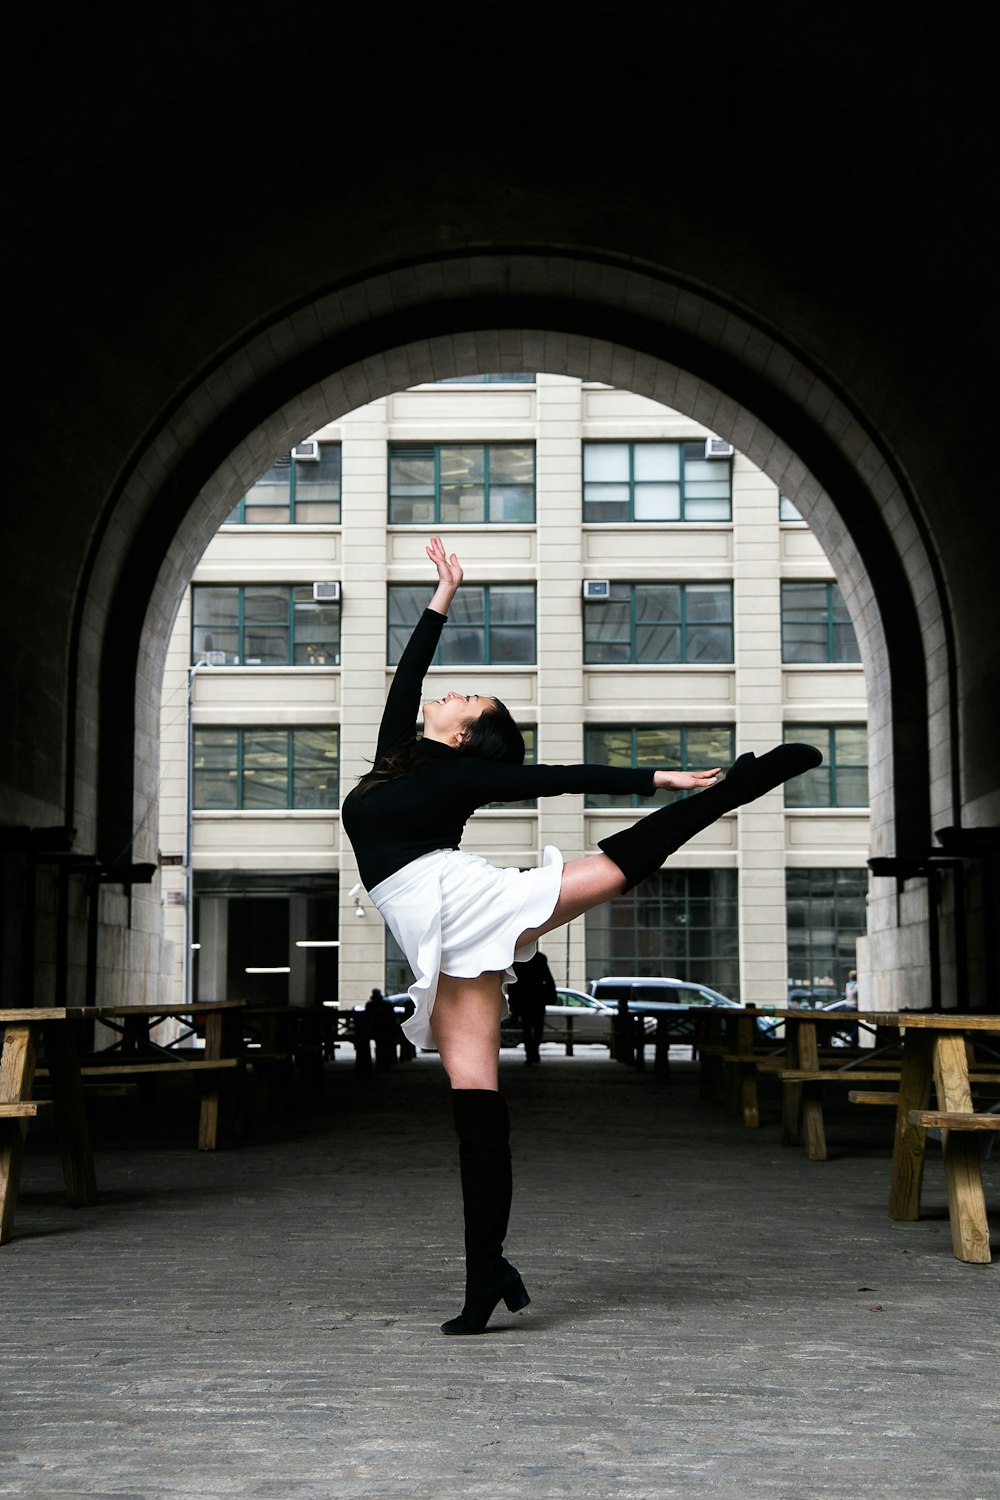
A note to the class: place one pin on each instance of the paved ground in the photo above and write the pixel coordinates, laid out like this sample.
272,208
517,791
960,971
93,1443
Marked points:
712,1314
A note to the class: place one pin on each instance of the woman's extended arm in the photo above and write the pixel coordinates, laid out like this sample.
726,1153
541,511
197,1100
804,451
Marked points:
403,699
490,781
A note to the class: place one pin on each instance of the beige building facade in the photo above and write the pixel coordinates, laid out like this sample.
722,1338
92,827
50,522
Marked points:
630,593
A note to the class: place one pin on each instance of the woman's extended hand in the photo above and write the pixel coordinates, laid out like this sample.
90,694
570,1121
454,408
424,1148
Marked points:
686,781
449,571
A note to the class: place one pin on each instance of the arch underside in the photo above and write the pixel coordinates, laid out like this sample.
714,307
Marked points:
601,322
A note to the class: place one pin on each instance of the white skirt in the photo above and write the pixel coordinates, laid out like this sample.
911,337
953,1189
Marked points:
455,913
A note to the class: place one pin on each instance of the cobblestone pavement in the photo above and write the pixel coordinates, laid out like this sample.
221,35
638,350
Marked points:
711,1314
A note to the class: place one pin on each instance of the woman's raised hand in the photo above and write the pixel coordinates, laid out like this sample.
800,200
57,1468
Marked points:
686,781
449,571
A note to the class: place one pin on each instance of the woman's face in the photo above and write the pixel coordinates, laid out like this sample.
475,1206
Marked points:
446,719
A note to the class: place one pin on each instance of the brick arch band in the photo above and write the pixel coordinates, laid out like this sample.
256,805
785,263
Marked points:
589,319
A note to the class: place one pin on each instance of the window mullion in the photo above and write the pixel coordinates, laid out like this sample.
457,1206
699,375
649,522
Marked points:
684,643
487,631
290,605
681,477
241,621
291,488
239,770
437,484
633,624
290,769
486,481
631,481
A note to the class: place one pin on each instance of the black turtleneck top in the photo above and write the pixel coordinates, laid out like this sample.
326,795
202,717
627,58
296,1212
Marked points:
397,821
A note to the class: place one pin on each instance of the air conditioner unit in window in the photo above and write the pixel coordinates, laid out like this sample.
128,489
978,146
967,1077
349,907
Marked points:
215,658
326,593
596,588
307,452
718,448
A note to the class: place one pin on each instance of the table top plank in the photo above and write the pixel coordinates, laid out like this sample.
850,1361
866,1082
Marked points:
933,1020
195,1008
34,1014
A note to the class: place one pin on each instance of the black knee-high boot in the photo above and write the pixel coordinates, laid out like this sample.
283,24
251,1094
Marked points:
640,850
483,1128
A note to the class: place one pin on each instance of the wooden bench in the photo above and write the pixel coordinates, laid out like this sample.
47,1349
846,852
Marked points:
946,1119
811,1081
21,1029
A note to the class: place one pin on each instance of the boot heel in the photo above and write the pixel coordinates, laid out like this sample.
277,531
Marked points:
516,1297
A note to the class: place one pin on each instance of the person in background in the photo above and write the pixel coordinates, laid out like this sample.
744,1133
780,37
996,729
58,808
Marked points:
534,991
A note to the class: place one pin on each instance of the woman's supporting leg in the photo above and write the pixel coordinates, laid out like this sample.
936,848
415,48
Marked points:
465,1021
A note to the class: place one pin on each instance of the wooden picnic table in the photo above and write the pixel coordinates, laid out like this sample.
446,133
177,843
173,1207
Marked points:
136,1055
936,1047
21,1028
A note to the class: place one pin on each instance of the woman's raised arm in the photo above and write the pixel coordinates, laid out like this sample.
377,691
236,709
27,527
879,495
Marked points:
449,571
403,701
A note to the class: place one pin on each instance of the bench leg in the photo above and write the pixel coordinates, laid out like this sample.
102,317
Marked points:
970,1234
908,1146
72,1125
17,1071
791,1093
813,1129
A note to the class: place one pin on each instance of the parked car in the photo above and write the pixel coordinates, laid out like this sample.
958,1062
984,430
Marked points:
668,995
591,1018
849,1036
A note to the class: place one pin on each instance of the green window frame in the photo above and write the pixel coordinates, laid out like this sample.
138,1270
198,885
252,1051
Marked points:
662,747
826,912
489,624
294,492
263,625
652,482
455,484
815,625
660,624
266,768
842,779
679,923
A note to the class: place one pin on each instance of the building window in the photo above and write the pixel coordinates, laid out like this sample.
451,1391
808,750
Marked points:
449,484
518,379
663,747
255,769
842,779
787,510
679,924
489,624
294,491
826,916
655,482
661,623
264,625
815,625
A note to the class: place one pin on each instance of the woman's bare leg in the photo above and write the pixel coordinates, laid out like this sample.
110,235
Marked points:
465,1021
586,883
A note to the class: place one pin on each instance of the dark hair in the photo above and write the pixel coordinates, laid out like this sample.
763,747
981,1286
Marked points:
493,736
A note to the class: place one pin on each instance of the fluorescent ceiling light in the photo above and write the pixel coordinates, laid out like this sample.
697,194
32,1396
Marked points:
277,969
318,943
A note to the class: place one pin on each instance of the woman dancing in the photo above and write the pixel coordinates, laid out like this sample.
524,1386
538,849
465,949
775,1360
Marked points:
461,921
